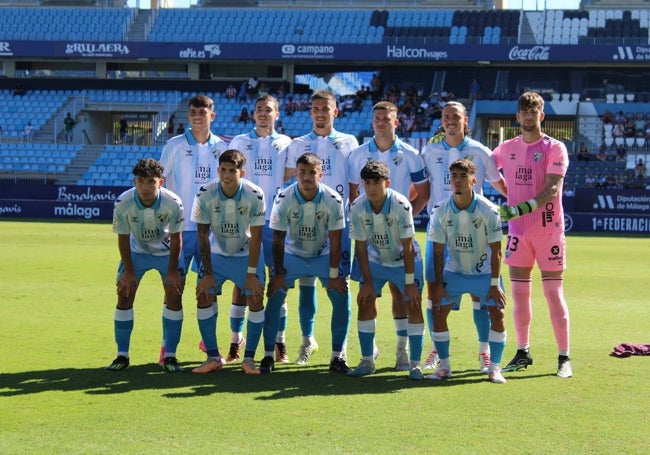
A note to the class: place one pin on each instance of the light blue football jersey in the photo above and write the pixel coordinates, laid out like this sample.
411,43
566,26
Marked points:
230,218
404,162
438,156
383,231
264,161
333,150
307,223
467,234
189,165
149,227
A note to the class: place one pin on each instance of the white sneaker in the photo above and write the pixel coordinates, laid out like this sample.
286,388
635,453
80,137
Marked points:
484,359
305,352
564,369
402,360
365,368
440,373
496,376
432,361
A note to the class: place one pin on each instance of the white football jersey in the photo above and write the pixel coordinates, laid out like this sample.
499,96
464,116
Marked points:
307,223
149,227
230,218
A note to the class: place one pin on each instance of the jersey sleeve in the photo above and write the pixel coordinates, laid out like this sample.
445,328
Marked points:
278,221
437,232
258,209
418,169
406,229
337,215
357,231
200,210
558,162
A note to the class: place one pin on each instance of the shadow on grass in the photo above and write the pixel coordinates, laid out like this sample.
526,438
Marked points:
286,381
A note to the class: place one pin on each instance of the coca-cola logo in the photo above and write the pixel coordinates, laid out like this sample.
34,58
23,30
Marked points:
531,53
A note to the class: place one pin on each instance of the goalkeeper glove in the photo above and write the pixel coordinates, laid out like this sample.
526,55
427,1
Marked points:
510,212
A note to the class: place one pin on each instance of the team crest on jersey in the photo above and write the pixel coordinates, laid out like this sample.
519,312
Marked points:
242,209
397,159
477,222
319,214
389,221
468,157
537,156
162,218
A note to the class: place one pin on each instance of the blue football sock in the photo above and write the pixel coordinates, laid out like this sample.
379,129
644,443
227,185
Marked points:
253,332
429,315
497,344
441,341
123,326
366,331
307,309
237,317
341,314
207,318
416,342
172,323
272,319
482,323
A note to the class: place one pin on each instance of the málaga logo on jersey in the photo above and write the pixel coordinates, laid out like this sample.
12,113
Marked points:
523,174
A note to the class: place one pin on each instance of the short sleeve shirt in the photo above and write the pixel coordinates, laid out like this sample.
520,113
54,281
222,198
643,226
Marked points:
467,234
384,231
230,218
525,167
149,227
307,223
189,165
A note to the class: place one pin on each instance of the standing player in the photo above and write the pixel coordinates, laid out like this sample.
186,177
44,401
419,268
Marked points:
234,209
307,222
381,224
470,227
264,167
333,149
455,144
190,161
534,166
406,169
148,221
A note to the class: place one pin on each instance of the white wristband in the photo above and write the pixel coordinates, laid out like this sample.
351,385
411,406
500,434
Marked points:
251,270
334,272
409,278
533,204
494,282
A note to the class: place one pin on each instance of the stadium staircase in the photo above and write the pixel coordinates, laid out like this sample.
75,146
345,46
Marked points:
85,158
141,26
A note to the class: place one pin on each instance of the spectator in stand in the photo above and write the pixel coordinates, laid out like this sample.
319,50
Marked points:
608,117
241,95
69,123
619,118
590,181
600,181
180,130
610,181
282,91
647,131
28,133
263,89
123,128
639,125
618,130
621,151
583,153
641,168
231,92
630,181
19,90
251,88
244,116
602,153
629,129
170,126
290,106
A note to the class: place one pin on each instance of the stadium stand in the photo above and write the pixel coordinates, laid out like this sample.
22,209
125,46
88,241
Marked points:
577,97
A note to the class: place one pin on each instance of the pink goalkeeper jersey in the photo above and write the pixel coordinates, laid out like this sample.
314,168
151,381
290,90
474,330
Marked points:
524,167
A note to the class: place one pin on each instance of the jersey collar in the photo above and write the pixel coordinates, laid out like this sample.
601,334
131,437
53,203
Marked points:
385,209
212,139
460,146
236,197
138,202
253,135
315,136
470,209
301,200
394,148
